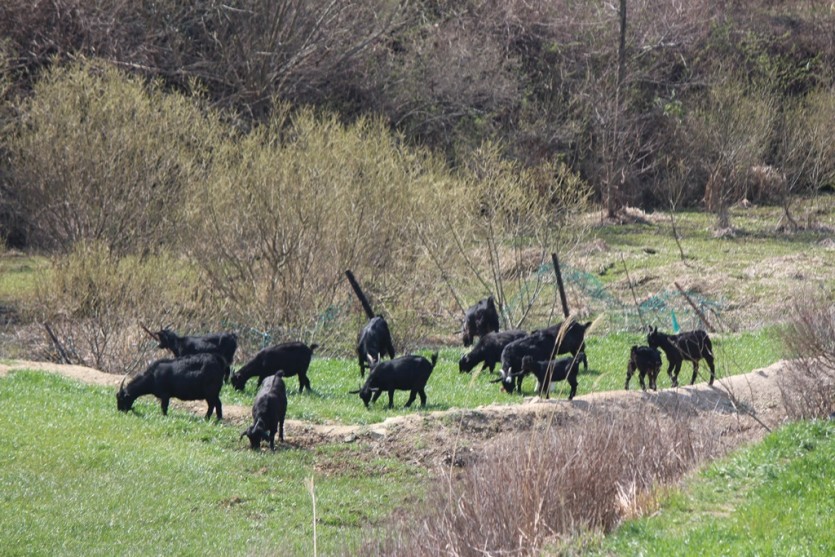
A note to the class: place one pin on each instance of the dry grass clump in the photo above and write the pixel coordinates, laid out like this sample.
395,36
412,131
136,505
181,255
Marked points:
531,490
809,392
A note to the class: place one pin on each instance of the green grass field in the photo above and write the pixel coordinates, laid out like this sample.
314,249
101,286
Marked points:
776,498
331,379
79,478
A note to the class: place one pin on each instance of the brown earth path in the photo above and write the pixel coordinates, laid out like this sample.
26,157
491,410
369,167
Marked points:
743,407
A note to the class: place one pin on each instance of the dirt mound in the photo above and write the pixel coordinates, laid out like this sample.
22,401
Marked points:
744,407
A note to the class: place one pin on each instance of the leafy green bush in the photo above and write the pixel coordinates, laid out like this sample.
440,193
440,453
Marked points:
288,208
100,156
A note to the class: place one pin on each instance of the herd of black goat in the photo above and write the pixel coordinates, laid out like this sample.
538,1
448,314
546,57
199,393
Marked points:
201,365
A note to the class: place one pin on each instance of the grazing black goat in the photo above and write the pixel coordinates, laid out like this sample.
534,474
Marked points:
488,350
293,358
549,371
573,340
480,319
691,346
195,377
374,341
406,373
223,344
647,361
268,411
538,345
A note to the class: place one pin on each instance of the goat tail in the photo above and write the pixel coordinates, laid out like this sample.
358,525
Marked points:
709,346
434,359
313,347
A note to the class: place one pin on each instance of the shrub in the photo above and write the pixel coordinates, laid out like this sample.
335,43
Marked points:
99,156
531,489
95,302
285,210
809,391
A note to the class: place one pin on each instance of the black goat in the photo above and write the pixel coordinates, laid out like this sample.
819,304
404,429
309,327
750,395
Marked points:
293,358
268,411
549,371
374,341
488,350
647,361
538,345
406,373
223,344
195,377
691,346
479,319
573,340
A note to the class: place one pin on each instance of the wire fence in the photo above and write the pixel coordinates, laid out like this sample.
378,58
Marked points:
335,328
667,309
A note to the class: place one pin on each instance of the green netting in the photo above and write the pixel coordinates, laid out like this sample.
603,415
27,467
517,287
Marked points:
663,308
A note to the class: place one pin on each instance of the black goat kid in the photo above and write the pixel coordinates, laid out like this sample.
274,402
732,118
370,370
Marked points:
195,377
406,373
223,344
488,350
479,319
374,341
293,358
549,371
268,411
691,346
647,361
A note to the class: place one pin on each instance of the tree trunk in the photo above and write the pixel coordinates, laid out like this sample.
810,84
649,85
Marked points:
615,182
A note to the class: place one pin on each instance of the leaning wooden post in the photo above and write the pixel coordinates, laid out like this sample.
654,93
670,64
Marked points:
559,284
363,300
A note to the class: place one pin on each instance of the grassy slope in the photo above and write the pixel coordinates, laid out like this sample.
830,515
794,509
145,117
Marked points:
751,276
77,477
777,498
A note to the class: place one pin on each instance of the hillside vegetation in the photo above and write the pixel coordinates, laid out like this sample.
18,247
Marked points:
219,165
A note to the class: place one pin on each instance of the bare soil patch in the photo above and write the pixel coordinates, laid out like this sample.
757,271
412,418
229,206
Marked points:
742,407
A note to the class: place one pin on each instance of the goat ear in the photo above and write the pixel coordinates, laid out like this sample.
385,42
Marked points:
354,392
495,380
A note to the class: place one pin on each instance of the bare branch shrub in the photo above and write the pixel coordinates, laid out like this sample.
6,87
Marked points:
96,300
250,51
98,156
519,216
531,490
731,133
287,209
809,391
806,148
